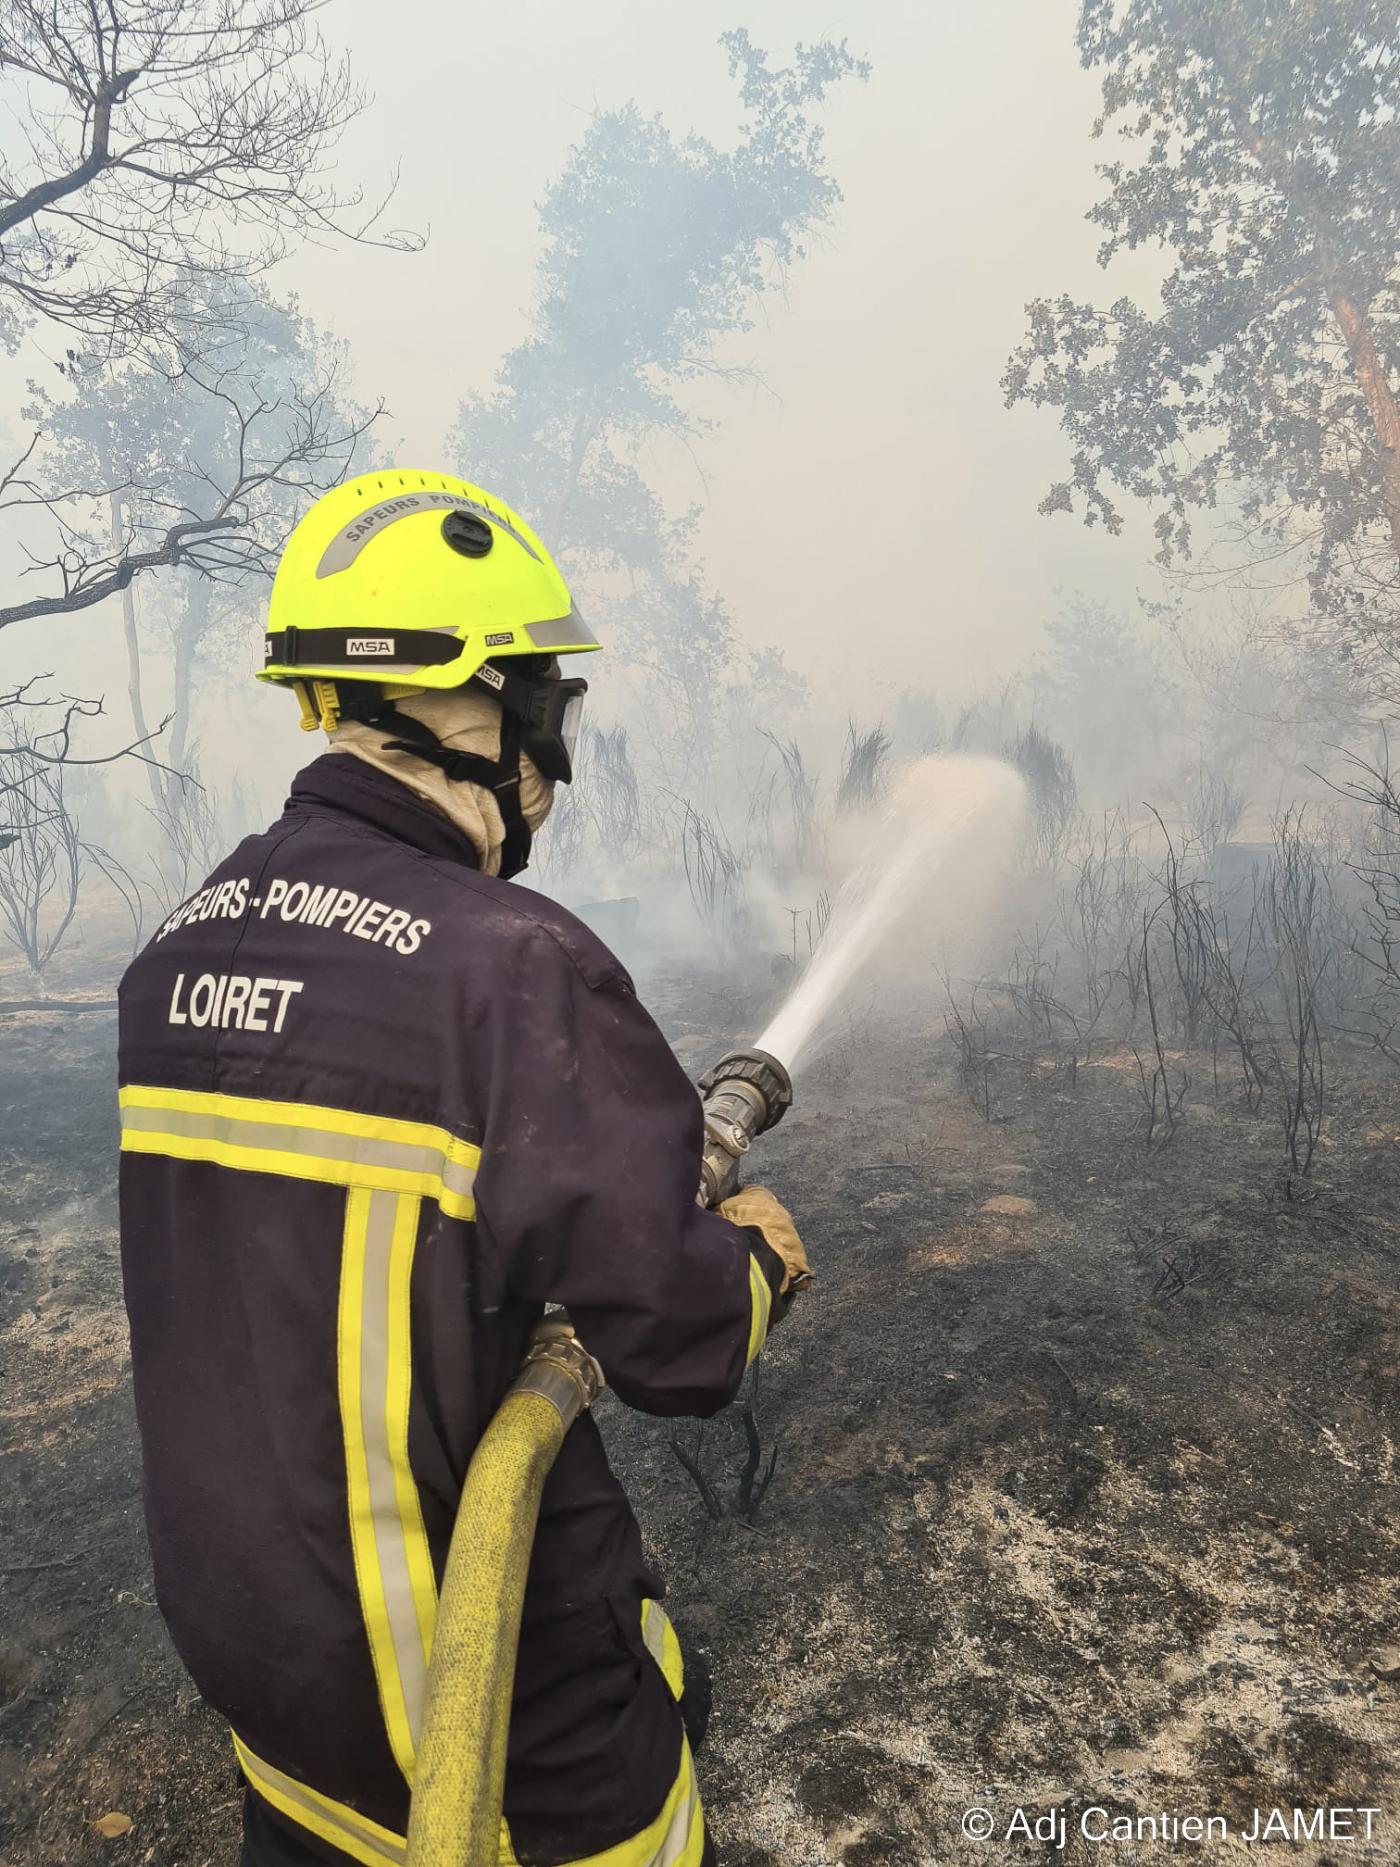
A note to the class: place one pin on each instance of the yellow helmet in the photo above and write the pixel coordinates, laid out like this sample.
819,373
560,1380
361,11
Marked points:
414,580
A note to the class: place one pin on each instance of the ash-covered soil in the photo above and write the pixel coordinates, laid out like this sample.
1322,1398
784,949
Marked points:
1086,1490
96,1714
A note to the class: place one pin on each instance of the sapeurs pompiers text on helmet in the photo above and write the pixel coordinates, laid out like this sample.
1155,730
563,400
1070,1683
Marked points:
438,566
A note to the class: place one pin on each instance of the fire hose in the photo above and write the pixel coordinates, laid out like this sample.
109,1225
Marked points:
459,1777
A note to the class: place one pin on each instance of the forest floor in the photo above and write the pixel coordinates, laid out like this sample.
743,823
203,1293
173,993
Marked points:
1086,1495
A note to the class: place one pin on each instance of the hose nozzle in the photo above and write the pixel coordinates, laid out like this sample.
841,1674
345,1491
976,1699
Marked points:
745,1094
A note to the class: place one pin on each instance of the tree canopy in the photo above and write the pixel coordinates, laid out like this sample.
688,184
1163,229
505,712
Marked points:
658,249
1261,152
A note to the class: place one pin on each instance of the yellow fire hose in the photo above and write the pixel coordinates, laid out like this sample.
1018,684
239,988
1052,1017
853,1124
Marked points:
459,1776
459,1779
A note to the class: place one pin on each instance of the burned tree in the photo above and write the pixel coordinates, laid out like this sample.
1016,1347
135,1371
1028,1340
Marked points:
864,768
40,854
1296,908
1377,865
801,789
1054,794
203,467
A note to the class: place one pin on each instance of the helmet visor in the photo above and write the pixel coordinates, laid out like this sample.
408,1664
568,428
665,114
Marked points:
571,723
552,726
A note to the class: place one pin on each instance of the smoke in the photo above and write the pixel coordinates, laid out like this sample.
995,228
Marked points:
755,623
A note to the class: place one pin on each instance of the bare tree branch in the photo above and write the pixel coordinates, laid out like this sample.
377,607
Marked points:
153,127
83,588
230,517
53,744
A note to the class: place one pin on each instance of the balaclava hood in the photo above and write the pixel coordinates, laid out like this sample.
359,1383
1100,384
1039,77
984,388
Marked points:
464,721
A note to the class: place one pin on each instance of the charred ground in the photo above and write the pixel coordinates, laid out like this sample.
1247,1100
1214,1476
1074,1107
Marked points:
1085,1489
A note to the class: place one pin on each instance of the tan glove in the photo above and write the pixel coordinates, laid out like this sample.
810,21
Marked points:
755,1205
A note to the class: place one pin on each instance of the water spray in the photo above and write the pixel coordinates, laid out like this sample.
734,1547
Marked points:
935,809
941,809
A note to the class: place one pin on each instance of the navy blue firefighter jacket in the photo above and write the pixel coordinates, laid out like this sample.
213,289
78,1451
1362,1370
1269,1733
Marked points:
378,1109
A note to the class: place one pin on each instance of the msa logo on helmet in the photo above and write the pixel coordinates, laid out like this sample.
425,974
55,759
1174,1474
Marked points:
501,641
369,645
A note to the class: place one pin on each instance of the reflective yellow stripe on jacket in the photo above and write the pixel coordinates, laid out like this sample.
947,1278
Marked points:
336,1822
387,1167
663,1645
304,1142
760,1309
676,1838
393,1564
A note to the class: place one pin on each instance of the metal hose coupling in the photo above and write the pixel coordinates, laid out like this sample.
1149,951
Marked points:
560,1369
745,1094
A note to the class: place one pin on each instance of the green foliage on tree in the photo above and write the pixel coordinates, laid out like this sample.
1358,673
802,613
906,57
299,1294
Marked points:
1260,150
658,249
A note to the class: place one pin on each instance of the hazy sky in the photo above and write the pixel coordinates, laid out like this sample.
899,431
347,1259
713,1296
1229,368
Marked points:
872,509
876,492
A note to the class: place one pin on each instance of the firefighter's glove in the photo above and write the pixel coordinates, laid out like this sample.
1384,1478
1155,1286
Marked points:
756,1206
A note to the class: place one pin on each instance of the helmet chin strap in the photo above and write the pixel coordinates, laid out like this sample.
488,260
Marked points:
500,776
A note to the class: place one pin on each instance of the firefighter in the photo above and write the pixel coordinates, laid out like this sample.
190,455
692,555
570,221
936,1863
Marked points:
378,1108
